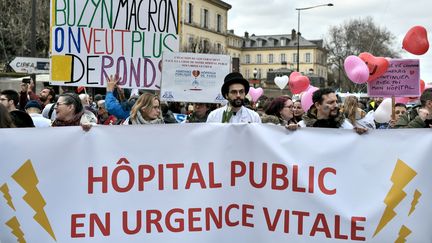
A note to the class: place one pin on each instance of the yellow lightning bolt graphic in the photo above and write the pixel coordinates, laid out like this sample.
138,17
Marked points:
15,226
403,234
414,202
5,189
402,175
26,177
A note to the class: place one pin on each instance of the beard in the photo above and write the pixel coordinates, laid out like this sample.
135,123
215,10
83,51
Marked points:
43,98
237,102
334,114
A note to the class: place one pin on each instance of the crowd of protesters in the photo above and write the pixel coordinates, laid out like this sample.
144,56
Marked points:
120,107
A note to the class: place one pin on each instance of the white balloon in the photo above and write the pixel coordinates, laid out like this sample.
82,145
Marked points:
281,82
384,111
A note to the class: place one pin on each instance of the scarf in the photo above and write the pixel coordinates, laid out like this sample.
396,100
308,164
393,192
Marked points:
139,120
75,121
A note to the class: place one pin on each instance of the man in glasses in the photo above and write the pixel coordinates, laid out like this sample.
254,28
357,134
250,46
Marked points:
234,89
10,98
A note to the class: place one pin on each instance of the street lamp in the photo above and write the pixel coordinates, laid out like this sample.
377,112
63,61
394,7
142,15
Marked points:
255,72
298,29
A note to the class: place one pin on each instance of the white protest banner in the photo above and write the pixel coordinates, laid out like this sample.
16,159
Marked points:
214,183
92,40
402,79
192,77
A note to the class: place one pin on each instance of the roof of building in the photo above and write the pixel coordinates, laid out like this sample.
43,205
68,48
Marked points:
271,41
220,3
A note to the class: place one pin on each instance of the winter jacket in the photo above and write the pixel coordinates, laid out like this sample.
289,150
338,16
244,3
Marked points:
114,107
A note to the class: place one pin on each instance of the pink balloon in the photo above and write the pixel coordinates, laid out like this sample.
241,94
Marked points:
306,99
403,100
310,87
356,69
255,93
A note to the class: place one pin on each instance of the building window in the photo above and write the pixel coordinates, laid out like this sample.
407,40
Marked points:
282,42
189,13
219,48
282,57
219,23
258,58
204,18
259,73
247,59
270,58
308,57
206,45
247,74
294,56
191,43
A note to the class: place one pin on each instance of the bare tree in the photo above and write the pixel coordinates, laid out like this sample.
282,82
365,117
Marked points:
352,38
15,28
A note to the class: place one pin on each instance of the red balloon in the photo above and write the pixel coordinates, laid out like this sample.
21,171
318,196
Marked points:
377,65
422,86
416,41
294,74
298,83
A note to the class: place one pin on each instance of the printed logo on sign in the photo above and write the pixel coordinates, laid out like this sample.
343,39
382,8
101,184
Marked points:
168,95
26,177
219,97
402,175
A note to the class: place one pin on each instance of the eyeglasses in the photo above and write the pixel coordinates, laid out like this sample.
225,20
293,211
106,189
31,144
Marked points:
58,103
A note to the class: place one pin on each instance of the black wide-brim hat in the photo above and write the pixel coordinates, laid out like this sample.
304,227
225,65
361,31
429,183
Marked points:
234,78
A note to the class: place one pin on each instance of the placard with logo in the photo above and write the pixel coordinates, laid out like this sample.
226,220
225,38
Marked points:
191,77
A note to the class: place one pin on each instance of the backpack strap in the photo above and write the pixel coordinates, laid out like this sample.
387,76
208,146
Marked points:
51,111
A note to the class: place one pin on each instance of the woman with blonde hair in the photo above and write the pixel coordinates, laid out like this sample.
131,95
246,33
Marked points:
145,111
355,115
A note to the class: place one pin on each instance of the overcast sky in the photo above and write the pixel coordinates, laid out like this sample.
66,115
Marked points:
279,17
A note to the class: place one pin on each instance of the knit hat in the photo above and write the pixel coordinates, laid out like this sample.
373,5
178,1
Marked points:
33,104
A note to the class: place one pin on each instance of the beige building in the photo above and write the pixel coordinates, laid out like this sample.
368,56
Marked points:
204,26
261,57
266,53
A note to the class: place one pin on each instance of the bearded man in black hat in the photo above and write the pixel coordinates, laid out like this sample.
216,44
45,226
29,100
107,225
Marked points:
234,89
